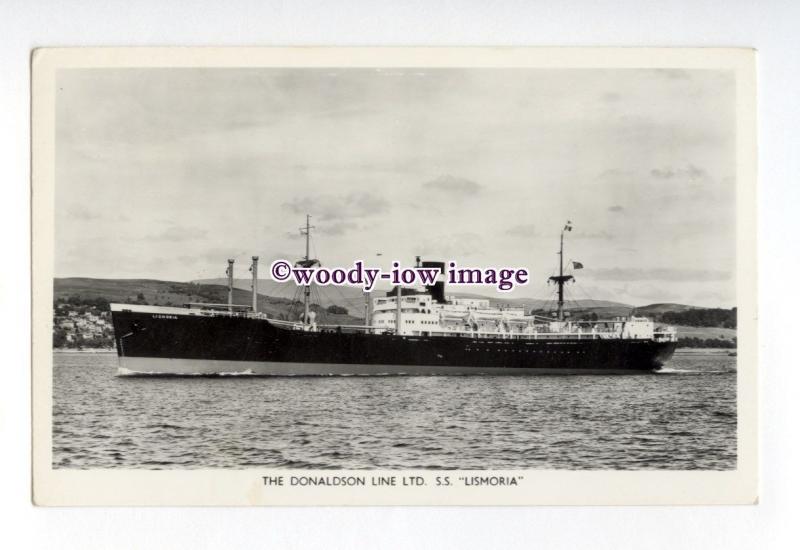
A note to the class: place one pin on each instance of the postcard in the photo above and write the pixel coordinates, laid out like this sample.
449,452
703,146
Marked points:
365,276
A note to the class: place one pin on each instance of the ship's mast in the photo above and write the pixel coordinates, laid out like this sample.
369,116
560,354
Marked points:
561,278
254,270
229,273
307,292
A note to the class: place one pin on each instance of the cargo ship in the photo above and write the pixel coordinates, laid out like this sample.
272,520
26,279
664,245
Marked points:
407,331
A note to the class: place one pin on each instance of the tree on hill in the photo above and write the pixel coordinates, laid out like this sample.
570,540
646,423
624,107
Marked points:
707,343
59,338
82,301
725,318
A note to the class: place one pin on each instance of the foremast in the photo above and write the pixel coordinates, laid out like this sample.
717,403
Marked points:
561,279
307,263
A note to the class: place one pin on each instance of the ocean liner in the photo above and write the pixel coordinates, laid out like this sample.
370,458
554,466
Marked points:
406,332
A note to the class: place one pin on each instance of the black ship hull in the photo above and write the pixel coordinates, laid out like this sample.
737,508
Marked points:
173,343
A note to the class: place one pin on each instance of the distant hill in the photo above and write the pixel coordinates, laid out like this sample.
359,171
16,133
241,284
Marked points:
171,293
660,309
114,290
705,317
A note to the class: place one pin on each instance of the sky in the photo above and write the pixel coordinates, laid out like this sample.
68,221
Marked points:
166,173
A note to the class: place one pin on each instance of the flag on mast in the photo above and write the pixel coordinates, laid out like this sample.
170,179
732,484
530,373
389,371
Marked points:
577,265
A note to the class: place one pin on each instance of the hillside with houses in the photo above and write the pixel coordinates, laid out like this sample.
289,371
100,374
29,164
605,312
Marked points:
79,324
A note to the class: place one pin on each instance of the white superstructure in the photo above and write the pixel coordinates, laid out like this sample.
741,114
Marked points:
422,315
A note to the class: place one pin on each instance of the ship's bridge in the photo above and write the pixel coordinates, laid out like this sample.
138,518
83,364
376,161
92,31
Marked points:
419,314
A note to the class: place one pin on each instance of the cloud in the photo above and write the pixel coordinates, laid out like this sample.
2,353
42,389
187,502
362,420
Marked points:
333,229
452,247
217,255
710,297
604,235
651,293
613,174
453,185
658,274
81,213
338,228
691,172
523,231
615,208
227,141
178,234
339,207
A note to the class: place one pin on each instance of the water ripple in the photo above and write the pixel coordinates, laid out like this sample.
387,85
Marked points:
684,418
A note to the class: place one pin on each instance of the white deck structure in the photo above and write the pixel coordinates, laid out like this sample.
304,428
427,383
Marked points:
421,315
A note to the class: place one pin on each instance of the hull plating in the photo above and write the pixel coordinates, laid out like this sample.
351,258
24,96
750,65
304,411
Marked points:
150,343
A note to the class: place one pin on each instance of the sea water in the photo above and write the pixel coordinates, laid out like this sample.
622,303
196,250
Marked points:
681,418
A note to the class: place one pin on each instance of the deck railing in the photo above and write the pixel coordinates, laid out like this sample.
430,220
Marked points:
587,330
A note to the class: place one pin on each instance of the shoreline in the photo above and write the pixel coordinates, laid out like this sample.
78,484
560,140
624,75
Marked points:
677,351
689,351
85,350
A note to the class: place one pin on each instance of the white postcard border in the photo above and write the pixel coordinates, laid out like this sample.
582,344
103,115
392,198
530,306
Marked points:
58,487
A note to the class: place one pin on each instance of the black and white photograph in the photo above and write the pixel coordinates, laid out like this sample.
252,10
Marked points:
333,274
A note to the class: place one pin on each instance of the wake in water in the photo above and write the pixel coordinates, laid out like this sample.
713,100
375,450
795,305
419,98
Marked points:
667,370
